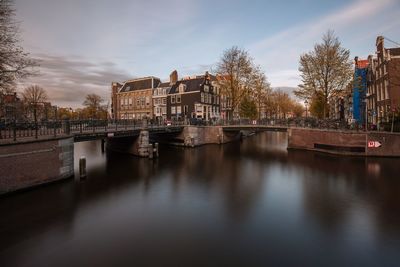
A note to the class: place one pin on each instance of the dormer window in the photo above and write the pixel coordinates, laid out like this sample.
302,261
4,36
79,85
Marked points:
182,88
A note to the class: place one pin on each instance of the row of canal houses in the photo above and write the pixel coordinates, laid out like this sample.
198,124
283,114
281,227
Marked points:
374,94
196,96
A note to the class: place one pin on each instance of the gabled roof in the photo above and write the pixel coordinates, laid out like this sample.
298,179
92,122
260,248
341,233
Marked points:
140,84
164,84
191,85
394,51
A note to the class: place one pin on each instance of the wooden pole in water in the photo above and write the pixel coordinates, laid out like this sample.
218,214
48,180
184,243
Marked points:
102,145
151,151
82,167
156,150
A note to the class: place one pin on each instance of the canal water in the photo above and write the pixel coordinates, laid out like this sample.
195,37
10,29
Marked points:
250,203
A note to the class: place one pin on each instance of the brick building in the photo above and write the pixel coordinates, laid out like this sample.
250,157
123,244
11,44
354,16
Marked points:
160,97
383,82
194,97
11,107
133,99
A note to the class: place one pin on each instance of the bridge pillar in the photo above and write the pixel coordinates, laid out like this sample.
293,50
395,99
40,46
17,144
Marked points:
135,145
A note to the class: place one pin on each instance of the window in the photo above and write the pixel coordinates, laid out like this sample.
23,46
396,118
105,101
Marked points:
130,102
206,88
164,101
178,110
122,102
386,90
202,97
182,88
147,101
173,99
173,110
178,99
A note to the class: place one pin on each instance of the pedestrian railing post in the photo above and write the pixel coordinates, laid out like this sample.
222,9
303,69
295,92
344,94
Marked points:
55,128
14,131
67,127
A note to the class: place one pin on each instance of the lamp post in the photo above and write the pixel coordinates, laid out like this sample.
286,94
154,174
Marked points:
306,104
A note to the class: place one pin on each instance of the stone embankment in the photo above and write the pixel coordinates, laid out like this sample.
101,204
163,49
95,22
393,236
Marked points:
345,142
28,164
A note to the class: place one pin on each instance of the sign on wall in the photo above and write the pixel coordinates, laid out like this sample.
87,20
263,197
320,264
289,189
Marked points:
374,144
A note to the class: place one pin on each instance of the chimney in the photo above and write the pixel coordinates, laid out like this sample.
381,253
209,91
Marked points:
173,77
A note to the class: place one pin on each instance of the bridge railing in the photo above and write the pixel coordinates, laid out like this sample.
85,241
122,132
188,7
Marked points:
23,130
46,129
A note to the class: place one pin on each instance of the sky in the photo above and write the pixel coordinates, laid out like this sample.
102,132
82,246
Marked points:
83,46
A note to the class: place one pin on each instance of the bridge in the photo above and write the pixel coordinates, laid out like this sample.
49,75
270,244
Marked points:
101,129
80,130
38,153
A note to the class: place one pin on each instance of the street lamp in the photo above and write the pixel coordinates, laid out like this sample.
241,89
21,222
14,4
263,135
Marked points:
306,103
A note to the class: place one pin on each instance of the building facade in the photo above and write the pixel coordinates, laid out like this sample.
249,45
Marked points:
225,100
134,99
383,81
11,107
160,97
360,90
193,97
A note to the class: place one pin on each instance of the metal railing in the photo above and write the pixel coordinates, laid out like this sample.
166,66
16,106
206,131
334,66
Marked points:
29,130
25,130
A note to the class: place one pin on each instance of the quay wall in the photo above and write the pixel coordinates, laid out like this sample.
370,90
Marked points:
344,142
28,164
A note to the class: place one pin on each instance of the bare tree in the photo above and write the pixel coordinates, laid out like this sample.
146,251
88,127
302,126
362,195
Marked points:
327,70
14,62
33,96
236,66
261,90
93,104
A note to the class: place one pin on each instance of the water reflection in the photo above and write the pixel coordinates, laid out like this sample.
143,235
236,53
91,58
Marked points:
248,203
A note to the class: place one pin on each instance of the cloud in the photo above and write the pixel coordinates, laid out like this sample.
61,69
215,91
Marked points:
279,53
68,80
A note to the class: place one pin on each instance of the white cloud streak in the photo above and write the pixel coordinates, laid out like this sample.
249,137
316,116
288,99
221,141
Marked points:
279,54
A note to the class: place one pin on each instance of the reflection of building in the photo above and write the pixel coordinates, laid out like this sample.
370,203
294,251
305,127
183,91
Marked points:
193,97
383,82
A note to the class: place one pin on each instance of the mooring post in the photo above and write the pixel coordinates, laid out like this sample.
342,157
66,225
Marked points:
192,141
82,167
102,145
156,150
151,151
